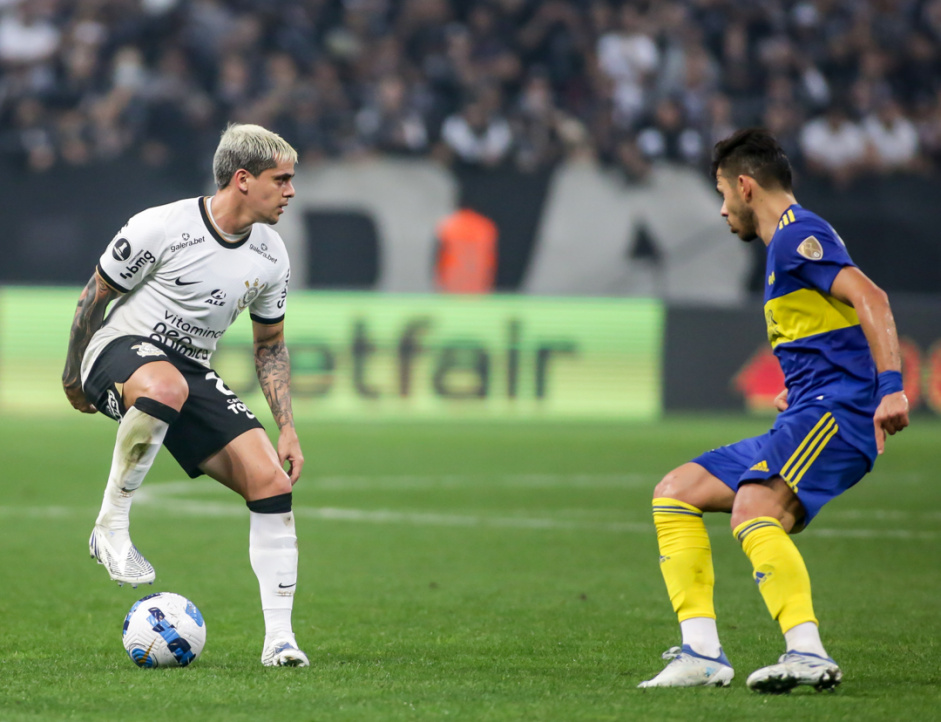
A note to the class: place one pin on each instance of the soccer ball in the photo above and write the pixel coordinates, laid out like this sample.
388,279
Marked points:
164,630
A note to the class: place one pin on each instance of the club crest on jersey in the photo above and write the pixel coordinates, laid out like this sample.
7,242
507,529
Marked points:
810,249
145,349
252,292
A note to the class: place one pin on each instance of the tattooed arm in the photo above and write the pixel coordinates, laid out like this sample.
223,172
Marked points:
274,374
88,318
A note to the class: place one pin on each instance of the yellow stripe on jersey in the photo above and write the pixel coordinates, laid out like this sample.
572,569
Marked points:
809,449
786,220
804,313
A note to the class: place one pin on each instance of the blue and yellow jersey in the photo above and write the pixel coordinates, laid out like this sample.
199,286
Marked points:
816,338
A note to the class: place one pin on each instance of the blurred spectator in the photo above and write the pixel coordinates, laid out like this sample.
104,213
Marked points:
784,120
669,137
387,124
629,57
543,132
834,146
928,124
893,138
479,134
27,34
720,122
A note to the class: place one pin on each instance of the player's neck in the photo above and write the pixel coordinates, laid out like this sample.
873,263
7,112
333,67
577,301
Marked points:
769,213
227,215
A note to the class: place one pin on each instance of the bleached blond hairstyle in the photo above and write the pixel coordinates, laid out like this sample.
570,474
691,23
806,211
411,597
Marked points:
251,147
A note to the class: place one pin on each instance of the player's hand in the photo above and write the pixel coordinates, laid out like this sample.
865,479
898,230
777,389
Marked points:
780,401
891,417
77,398
289,452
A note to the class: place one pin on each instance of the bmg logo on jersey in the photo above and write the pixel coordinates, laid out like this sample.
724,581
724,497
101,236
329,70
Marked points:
142,260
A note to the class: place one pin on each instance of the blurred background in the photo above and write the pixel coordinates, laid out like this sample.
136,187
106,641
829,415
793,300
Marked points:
503,206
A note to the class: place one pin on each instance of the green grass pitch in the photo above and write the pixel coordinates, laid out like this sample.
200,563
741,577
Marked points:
457,571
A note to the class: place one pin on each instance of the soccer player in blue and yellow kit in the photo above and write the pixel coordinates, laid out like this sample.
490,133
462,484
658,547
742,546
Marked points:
833,332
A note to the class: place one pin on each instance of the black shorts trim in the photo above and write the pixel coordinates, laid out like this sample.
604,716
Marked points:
212,416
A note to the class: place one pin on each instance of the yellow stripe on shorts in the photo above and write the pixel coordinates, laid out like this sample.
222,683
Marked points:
809,449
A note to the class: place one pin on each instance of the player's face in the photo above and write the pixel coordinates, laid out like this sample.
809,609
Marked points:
737,213
270,191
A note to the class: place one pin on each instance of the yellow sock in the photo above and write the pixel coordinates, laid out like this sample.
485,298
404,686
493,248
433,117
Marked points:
779,571
685,558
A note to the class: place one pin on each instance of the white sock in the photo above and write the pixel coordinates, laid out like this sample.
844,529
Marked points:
272,548
805,637
138,441
702,635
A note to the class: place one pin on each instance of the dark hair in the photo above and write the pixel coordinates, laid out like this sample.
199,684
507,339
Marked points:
753,152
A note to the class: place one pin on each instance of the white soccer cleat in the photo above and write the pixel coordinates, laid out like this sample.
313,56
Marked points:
283,653
689,669
115,551
793,669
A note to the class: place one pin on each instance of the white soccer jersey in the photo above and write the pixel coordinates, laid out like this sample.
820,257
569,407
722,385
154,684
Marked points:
184,284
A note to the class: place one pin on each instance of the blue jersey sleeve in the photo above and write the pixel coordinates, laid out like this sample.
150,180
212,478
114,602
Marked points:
813,252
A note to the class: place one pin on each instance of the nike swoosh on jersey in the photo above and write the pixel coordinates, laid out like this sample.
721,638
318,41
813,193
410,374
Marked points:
179,282
286,586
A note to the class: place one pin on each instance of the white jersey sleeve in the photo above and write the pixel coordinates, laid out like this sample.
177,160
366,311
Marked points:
134,253
270,304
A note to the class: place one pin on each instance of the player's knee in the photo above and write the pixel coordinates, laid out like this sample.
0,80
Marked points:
671,486
274,481
169,391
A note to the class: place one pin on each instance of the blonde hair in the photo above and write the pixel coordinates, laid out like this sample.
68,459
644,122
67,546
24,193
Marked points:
251,147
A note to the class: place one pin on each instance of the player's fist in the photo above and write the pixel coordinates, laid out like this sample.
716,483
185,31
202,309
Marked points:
891,417
77,398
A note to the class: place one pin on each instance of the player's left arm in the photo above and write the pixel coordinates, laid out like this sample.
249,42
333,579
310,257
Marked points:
853,287
273,366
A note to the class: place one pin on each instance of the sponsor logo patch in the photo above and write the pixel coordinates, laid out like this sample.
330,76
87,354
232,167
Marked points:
121,250
263,251
186,242
114,407
216,297
760,466
236,406
142,260
810,249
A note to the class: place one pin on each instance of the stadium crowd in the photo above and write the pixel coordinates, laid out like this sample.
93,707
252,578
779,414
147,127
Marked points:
849,86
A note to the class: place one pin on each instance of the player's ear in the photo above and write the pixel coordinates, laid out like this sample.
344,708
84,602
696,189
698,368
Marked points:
746,187
240,179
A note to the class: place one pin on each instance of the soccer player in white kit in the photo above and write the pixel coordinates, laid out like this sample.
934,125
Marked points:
181,274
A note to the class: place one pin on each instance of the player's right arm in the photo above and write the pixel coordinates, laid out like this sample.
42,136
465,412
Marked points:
875,317
89,316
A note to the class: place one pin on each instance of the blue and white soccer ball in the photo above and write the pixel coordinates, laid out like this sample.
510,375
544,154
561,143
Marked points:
164,630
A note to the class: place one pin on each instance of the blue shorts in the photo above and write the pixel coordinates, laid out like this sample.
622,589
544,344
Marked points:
806,447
